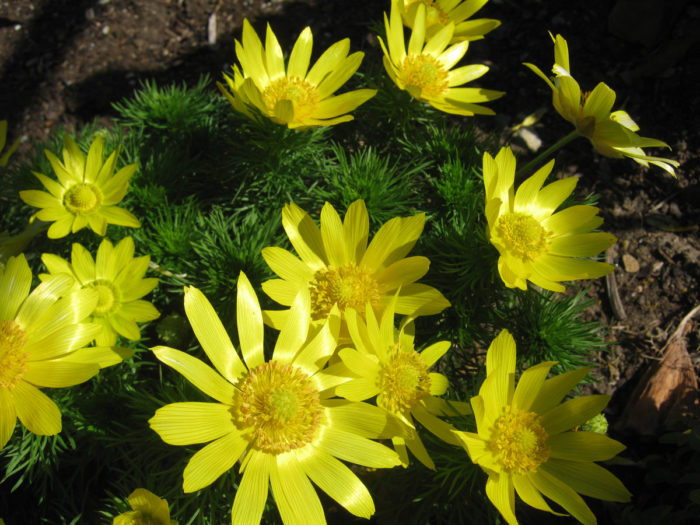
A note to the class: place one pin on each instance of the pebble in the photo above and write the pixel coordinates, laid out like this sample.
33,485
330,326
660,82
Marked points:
630,263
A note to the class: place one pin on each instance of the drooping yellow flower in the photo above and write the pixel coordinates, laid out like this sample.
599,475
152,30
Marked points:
149,509
275,417
425,68
611,134
119,280
524,440
386,364
339,269
42,335
440,13
5,157
86,193
536,244
298,97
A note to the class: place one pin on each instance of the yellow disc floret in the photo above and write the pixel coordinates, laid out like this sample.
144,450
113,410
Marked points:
349,286
403,381
82,199
13,358
303,96
518,441
426,73
107,296
279,405
523,235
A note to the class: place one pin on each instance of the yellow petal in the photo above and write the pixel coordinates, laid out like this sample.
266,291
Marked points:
588,479
361,419
8,417
294,332
304,236
356,449
39,199
418,299
562,494
530,495
438,384
572,413
286,265
274,60
499,489
94,159
190,422
440,428
15,283
83,264
333,236
339,482
251,495
150,504
300,56
582,244
102,356
583,446
57,373
328,61
434,352
402,272
35,410
212,461
197,373
356,230
139,311
415,42
119,216
554,389
249,322
529,385
212,335
281,291
296,498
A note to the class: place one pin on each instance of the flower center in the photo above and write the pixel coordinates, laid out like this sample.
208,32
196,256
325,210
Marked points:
279,406
523,235
13,358
519,441
302,95
82,199
107,296
349,286
403,381
424,72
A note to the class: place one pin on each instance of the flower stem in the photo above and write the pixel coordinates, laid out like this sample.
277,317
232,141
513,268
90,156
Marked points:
546,153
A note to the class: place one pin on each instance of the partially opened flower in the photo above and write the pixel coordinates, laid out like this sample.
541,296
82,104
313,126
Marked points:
274,416
612,134
425,68
536,244
86,193
298,97
340,270
148,509
525,440
42,335
440,13
385,364
118,277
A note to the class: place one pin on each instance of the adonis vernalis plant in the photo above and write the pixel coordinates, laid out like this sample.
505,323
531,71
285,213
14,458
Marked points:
440,13
384,363
612,134
297,97
118,278
148,509
274,416
42,335
424,69
86,193
535,243
527,443
340,270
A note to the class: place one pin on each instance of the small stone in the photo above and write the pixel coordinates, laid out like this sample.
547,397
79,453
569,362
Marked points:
529,137
630,263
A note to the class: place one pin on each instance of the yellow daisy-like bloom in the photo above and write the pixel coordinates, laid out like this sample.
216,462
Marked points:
118,278
149,509
298,97
341,270
86,193
385,364
525,442
611,134
42,336
535,243
440,13
5,157
425,69
275,417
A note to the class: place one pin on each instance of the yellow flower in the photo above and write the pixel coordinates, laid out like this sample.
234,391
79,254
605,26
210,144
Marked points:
275,417
149,509
385,364
119,280
522,441
11,245
86,192
41,345
424,70
300,97
340,269
536,244
5,157
440,13
611,134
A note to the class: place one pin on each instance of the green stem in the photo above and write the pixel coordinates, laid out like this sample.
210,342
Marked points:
546,153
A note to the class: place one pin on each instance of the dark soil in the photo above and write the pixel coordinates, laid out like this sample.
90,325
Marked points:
64,62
